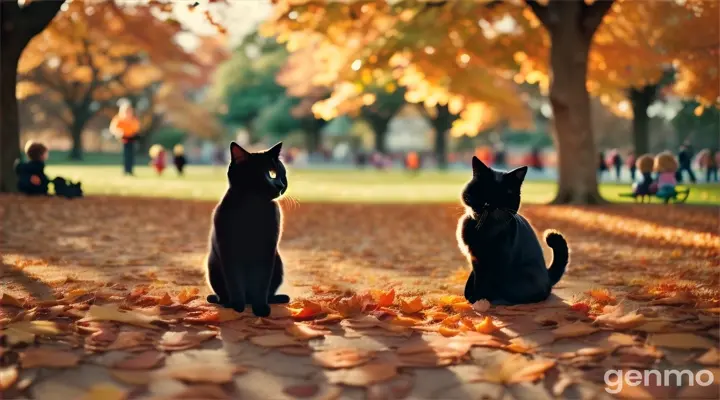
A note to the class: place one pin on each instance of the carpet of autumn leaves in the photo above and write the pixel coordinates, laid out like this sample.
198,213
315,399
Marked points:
103,298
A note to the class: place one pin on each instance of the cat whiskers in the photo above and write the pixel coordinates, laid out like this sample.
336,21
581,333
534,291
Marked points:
290,202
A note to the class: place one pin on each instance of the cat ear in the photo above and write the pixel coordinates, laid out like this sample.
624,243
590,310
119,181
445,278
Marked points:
275,150
518,173
238,154
478,166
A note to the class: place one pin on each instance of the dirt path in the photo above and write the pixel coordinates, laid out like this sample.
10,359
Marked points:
377,313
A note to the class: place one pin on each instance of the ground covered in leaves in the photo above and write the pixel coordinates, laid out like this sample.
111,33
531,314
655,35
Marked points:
102,298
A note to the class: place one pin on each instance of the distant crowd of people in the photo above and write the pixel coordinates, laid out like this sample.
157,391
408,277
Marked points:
707,160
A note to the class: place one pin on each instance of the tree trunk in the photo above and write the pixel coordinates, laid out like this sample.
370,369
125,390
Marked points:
379,126
313,133
17,27
442,124
571,25
641,100
76,131
9,118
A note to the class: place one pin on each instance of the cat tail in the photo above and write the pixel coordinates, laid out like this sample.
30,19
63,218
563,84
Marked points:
561,255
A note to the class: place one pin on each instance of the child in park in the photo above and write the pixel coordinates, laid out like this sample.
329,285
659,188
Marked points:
157,158
179,158
644,186
32,180
666,166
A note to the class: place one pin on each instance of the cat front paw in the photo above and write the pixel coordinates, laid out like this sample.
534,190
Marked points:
261,310
237,306
279,299
214,299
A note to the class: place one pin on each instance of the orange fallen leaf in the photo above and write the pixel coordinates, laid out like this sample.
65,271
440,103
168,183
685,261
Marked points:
308,310
617,320
413,306
711,358
487,325
532,371
581,307
602,296
48,358
676,299
177,341
305,332
145,360
111,312
201,372
404,321
105,391
448,332
575,329
515,369
275,340
349,307
342,357
384,299
681,341
186,295
363,375
8,300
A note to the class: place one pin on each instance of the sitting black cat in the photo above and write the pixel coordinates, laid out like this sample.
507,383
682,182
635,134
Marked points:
244,266
507,260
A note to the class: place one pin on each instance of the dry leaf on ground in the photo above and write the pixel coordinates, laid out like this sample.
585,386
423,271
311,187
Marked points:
176,341
48,358
26,331
576,329
363,375
131,377
105,391
8,377
111,312
342,358
411,307
301,391
305,332
711,358
516,369
8,300
681,341
200,372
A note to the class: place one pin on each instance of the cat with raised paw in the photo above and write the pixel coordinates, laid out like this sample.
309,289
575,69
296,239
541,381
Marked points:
508,266
243,265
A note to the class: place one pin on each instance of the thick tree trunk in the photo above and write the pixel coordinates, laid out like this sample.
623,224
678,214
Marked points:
641,100
379,126
9,118
571,25
442,123
17,27
313,133
76,131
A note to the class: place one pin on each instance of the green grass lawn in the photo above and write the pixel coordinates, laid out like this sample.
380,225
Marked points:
208,183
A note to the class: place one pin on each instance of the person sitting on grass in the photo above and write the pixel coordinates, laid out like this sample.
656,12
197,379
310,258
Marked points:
32,180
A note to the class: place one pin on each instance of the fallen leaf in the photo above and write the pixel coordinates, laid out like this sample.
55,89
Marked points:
712,357
681,341
342,358
48,358
575,329
111,312
200,372
8,300
186,295
363,375
305,332
128,340
105,391
8,376
404,321
618,320
145,360
302,391
448,332
413,306
204,392
384,299
177,341
515,369
275,340
348,307
296,351
26,331
656,326
307,310
676,299
481,306
487,326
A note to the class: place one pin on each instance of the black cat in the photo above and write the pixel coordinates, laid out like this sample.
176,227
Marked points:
244,266
507,260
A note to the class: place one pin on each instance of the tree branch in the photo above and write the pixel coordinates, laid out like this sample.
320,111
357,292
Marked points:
593,14
540,11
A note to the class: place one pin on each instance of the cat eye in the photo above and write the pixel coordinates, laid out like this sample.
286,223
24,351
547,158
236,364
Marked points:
272,174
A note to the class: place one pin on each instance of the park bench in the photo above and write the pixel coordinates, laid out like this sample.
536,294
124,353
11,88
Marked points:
678,196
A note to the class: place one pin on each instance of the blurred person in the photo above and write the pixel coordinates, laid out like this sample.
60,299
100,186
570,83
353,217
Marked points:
179,158
666,167
412,162
709,159
630,162
617,162
125,126
602,164
157,158
32,180
500,156
535,161
219,155
684,158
